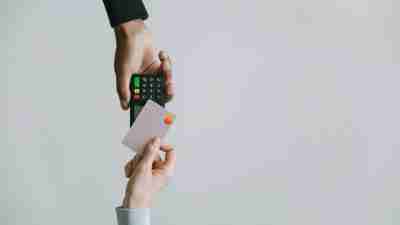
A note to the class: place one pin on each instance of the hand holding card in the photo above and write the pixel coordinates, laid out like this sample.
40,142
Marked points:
152,121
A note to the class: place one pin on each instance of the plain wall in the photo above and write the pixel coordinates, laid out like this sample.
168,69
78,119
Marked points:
287,113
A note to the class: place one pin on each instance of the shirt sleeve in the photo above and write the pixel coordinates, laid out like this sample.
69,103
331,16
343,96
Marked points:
120,11
126,216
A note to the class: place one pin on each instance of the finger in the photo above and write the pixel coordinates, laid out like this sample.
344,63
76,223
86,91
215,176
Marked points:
130,166
124,94
170,160
166,148
166,67
158,162
170,90
135,162
150,153
158,158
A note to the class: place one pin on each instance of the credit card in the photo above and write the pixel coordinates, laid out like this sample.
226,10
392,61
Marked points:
152,121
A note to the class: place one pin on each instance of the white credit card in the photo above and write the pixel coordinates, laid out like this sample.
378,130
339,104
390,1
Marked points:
152,121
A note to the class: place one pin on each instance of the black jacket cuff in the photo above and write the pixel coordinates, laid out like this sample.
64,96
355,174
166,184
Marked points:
121,11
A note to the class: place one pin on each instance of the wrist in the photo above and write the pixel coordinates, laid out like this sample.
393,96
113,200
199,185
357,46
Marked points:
130,28
136,202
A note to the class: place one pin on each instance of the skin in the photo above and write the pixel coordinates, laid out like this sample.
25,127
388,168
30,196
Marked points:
148,174
135,53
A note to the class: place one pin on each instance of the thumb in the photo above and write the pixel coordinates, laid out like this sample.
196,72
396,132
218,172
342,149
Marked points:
166,69
123,88
128,59
151,152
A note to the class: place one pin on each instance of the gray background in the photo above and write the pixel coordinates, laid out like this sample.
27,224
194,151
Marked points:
287,111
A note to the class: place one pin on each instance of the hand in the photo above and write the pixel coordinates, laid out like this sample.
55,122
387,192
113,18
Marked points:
135,54
148,174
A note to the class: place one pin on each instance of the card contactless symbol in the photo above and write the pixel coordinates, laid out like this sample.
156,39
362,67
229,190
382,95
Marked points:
145,87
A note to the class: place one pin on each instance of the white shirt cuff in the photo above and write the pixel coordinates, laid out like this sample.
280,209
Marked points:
127,216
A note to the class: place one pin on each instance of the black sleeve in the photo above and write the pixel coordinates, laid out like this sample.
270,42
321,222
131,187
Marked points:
120,11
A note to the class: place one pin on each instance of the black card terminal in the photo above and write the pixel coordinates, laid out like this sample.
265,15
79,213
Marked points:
144,87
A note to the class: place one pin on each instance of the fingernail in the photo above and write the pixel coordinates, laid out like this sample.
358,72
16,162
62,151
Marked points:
167,66
124,104
162,55
168,147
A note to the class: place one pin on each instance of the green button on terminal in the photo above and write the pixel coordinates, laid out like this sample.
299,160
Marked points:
136,82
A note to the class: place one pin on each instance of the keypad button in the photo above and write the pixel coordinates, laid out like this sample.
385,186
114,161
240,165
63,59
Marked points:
136,82
150,87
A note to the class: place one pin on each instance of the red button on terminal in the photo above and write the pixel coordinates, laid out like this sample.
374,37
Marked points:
136,97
